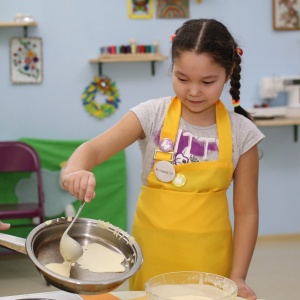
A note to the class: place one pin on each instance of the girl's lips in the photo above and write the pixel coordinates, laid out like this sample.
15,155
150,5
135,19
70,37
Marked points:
195,102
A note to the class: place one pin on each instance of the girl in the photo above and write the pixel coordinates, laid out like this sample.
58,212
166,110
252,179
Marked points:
192,148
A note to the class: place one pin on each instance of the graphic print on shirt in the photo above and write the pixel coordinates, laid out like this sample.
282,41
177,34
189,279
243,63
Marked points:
190,148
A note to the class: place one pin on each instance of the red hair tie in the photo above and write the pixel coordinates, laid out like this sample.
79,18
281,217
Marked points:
172,36
239,51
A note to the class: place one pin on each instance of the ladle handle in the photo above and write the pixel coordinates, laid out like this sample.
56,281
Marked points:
76,216
13,243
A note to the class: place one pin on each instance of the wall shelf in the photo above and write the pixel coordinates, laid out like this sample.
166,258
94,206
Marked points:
281,122
17,24
139,57
25,25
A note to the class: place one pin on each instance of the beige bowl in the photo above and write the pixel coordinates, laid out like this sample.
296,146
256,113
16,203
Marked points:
190,285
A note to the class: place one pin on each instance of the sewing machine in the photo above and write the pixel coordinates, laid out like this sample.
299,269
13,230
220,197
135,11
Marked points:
269,89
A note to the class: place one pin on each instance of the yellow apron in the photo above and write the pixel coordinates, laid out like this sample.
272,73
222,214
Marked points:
186,228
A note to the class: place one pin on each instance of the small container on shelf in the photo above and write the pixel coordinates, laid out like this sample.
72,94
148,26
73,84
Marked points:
18,17
27,18
21,18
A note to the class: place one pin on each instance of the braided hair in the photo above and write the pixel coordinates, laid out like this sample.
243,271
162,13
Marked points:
213,38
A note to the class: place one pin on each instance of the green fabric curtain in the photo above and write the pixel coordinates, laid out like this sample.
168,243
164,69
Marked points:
110,202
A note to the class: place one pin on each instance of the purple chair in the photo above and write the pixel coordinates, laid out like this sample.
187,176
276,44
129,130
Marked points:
20,157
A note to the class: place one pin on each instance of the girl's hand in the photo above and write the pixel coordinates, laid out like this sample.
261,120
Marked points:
244,290
80,184
4,226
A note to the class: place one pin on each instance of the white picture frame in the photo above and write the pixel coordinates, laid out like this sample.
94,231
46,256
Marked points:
26,61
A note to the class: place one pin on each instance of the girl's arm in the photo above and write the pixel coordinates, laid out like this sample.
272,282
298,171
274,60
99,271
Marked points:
77,176
245,197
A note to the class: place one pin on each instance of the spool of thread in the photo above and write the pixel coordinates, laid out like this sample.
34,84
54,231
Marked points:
128,49
156,46
123,49
133,46
113,49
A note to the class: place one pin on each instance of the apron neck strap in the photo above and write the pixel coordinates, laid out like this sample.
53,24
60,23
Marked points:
172,120
224,132
169,129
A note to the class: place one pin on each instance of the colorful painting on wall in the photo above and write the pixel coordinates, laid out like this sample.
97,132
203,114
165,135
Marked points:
26,60
172,9
286,14
140,9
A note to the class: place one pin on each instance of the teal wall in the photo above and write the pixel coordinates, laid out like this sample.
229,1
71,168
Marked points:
73,32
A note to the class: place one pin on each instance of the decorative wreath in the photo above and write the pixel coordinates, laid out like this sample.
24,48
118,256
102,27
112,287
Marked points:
106,87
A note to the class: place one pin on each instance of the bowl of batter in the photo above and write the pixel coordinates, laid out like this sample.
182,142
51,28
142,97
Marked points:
190,285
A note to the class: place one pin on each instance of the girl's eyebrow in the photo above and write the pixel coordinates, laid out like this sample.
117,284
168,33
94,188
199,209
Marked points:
210,76
205,77
179,73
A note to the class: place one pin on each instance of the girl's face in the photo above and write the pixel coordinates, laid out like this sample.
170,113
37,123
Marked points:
198,82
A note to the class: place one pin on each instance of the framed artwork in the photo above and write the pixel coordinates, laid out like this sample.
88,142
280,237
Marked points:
286,14
140,9
26,64
172,9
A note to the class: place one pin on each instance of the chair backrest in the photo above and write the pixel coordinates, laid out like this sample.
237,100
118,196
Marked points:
20,157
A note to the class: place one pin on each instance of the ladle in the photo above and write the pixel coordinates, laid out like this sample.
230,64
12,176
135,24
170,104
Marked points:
70,249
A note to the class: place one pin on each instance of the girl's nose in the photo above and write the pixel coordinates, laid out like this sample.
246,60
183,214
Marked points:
194,90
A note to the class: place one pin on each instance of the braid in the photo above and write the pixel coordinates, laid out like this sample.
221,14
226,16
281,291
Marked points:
235,79
236,85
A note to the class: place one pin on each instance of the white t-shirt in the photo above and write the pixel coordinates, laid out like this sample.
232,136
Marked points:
194,143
